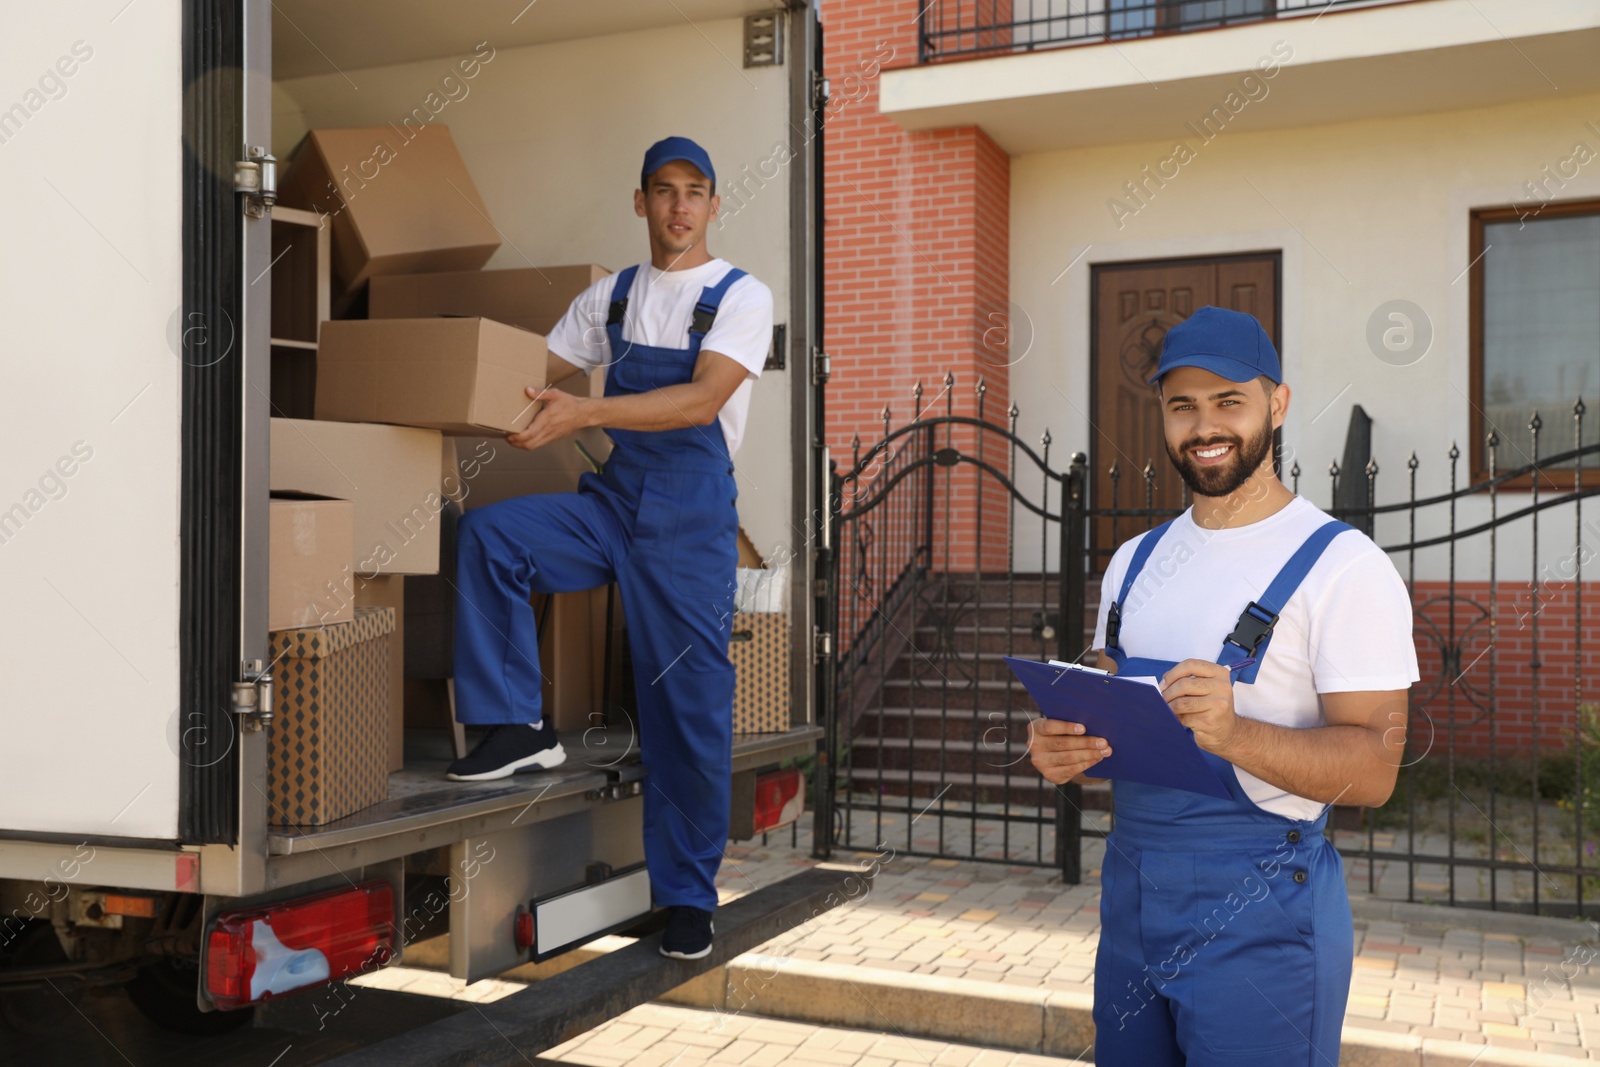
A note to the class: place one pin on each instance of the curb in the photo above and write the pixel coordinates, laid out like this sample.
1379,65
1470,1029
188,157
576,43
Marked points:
1048,1022
1459,917
994,1015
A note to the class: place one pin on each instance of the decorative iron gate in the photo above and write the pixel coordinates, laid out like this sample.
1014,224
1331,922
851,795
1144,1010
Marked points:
946,538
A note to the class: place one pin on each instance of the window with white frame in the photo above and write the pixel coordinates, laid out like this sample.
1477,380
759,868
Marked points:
1535,331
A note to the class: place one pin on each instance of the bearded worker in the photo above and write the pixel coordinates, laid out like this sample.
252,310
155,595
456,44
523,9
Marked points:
1225,930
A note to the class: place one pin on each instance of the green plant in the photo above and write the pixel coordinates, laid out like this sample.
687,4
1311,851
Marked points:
1585,794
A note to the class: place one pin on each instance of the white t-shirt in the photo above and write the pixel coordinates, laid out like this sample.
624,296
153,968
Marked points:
1346,629
660,308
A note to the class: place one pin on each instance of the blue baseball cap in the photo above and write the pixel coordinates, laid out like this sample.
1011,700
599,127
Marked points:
1227,343
668,149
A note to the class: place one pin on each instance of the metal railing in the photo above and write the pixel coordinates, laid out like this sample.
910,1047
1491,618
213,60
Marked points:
950,28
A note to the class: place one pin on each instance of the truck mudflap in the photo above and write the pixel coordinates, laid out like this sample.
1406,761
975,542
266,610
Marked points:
553,1011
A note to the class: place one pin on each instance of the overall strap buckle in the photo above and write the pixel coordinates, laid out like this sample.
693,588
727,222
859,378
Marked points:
1135,565
619,308
705,309
1253,628
1113,624
705,315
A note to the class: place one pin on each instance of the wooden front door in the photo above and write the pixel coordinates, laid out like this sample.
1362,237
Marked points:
1135,305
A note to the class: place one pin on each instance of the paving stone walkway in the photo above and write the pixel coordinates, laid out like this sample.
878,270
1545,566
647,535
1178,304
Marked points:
1426,972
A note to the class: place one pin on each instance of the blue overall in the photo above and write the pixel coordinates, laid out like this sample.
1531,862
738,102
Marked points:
1225,933
660,522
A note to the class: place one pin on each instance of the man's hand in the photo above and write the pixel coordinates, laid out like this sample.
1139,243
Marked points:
561,415
1200,694
1059,750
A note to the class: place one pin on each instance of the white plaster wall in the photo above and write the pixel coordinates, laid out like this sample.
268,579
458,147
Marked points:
1362,213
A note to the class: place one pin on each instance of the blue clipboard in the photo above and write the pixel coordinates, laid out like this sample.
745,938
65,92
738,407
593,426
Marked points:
1148,742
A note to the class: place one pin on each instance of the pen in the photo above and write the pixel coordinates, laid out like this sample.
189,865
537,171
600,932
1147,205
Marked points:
1235,668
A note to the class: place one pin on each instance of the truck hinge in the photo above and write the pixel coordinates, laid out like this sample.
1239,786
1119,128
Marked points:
821,645
252,695
256,178
821,367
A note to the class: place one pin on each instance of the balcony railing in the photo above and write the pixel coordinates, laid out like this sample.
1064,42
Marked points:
951,28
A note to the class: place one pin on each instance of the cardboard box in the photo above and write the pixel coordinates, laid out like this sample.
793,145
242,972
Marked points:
427,703
464,376
388,591
571,694
310,542
390,473
749,555
328,753
571,657
489,470
431,608
400,202
759,649
533,298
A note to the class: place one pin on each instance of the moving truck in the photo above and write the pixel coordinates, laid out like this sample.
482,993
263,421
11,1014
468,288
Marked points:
141,146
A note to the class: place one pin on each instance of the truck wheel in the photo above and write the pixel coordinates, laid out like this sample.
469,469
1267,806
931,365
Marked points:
164,993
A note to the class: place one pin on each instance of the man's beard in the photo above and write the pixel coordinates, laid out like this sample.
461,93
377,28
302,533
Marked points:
1224,478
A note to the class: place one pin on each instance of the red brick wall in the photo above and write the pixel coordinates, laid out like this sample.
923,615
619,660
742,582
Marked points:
1500,661
917,266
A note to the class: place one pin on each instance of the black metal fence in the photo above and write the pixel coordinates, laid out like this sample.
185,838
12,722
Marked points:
951,28
947,534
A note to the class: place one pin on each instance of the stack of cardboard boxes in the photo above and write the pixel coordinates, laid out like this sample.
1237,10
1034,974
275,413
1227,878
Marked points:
384,427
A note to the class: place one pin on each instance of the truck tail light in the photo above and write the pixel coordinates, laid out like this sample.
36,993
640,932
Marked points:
780,798
256,953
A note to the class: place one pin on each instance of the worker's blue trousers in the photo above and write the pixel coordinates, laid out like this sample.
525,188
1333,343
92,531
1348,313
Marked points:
668,538
1225,934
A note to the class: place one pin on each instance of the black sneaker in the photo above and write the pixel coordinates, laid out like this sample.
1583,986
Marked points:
507,749
688,933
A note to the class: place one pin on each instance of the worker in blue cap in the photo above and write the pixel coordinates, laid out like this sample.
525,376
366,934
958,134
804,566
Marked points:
682,339
1225,930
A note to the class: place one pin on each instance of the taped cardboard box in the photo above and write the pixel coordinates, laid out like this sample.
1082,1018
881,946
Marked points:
388,591
310,542
463,376
328,753
400,201
390,473
759,649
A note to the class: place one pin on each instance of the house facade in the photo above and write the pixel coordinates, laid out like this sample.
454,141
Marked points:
1406,194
